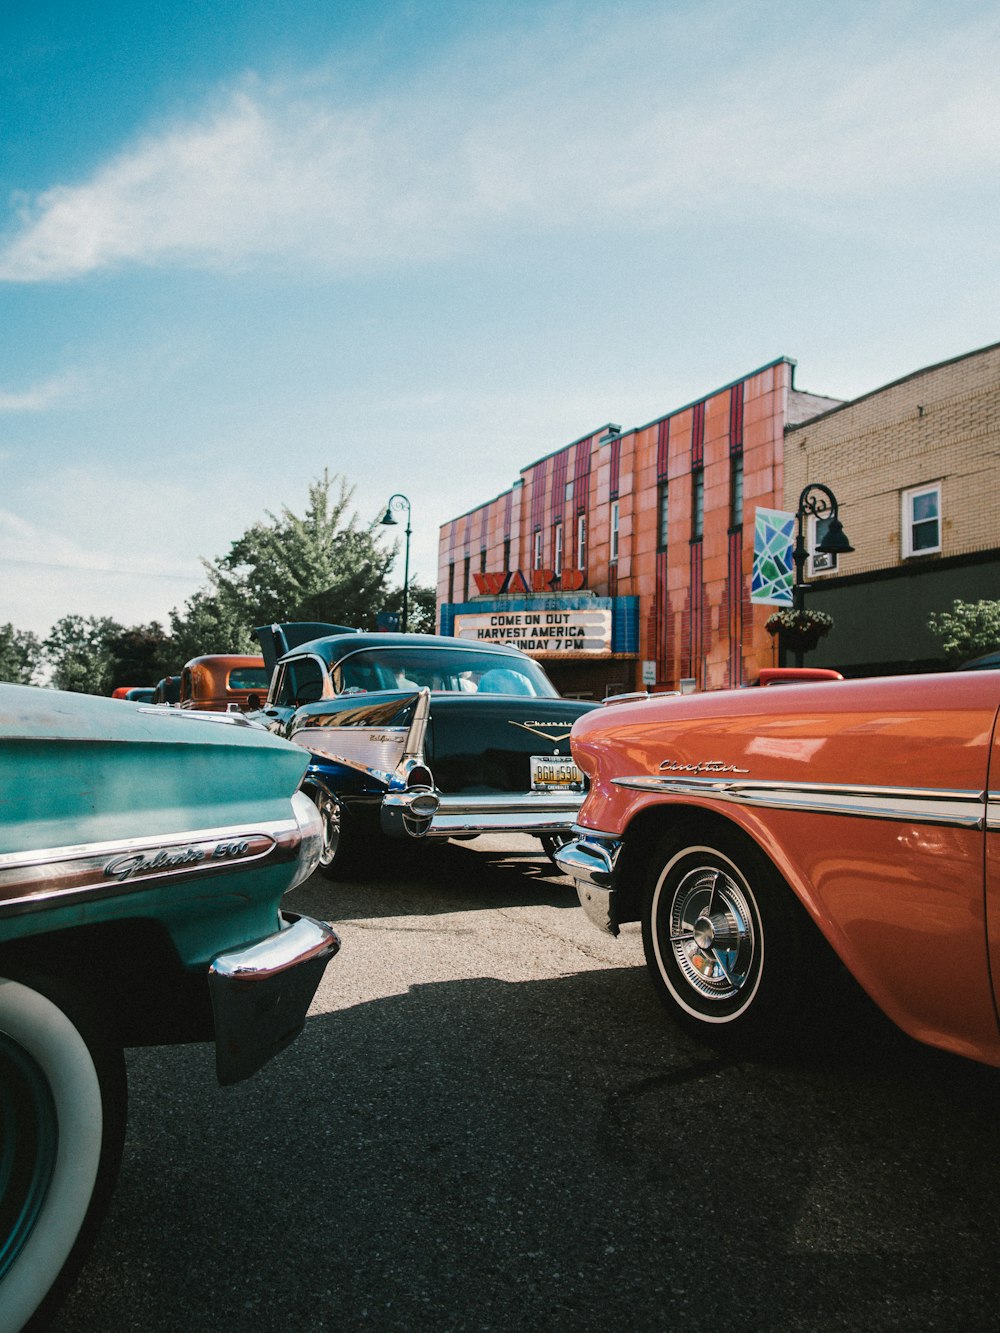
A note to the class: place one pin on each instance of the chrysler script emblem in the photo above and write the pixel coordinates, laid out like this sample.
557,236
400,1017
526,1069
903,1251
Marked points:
543,729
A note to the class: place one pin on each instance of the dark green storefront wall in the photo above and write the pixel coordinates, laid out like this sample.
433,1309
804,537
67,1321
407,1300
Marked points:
880,620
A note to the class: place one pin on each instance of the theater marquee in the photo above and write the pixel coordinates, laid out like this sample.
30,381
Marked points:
580,631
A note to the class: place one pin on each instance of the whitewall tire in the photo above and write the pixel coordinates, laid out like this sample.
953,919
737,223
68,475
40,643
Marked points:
62,1097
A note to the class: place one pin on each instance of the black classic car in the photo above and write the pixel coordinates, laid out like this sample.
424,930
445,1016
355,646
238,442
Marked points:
421,736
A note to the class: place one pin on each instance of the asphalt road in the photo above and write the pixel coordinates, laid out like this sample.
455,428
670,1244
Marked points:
490,1124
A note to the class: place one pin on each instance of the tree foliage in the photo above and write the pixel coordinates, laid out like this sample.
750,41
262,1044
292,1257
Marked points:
421,610
969,629
142,654
20,655
323,566
78,649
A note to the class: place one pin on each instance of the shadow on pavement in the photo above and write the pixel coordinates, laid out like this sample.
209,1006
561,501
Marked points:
425,879
482,1155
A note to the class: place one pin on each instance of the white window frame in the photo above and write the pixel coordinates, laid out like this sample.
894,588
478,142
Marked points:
581,541
557,549
614,531
908,523
536,559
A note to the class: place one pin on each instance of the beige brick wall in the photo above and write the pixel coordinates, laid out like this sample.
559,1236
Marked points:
937,425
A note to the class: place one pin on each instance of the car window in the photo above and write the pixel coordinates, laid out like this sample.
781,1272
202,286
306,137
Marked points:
248,678
300,682
453,671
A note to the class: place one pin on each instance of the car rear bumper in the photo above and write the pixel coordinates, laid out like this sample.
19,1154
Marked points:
260,994
423,813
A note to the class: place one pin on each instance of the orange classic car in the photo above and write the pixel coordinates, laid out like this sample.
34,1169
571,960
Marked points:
753,831
224,683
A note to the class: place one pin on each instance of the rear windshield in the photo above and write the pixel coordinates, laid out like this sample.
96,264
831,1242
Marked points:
452,670
249,678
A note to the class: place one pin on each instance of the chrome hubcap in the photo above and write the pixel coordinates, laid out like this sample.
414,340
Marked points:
712,933
329,809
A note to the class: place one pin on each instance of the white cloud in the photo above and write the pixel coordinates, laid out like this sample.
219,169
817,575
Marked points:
52,392
107,544
644,119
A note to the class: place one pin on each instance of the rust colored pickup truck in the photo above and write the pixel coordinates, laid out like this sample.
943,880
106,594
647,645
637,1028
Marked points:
224,683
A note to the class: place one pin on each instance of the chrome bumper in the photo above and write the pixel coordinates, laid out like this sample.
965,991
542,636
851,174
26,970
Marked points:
260,994
590,859
422,813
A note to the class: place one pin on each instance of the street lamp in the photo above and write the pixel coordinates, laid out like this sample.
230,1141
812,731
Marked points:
398,502
819,502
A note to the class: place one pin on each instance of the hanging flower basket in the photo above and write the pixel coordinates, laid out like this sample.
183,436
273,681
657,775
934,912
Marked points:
799,630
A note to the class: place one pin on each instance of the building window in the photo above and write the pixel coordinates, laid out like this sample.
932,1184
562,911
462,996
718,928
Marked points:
536,557
662,516
569,491
482,561
581,541
697,504
557,548
922,520
614,531
451,582
506,554
736,492
465,581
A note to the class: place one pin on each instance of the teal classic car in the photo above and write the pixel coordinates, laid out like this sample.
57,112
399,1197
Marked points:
143,856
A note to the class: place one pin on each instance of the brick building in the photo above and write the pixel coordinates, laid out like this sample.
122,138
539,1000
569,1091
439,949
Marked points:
915,467
623,560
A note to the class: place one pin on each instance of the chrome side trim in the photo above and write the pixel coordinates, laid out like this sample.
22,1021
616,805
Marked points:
993,811
260,994
376,751
925,805
91,872
230,717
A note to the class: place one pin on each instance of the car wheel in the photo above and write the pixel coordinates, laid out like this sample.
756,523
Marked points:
333,854
63,1110
725,941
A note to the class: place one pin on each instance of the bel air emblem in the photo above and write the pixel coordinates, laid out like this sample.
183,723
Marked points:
544,729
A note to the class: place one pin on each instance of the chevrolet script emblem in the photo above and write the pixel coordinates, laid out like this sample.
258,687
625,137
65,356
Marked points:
543,729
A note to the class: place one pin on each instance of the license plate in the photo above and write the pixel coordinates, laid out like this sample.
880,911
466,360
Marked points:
555,771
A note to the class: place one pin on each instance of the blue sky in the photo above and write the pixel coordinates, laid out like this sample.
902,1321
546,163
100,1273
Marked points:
423,244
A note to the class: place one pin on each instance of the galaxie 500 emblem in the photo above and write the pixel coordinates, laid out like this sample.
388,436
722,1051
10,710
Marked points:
140,864
701,766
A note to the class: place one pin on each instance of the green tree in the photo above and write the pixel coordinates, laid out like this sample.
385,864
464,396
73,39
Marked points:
323,566
969,629
20,655
142,655
79,651
205,625
421,611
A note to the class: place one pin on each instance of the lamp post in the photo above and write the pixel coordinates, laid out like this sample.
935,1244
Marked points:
398,502
819,502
